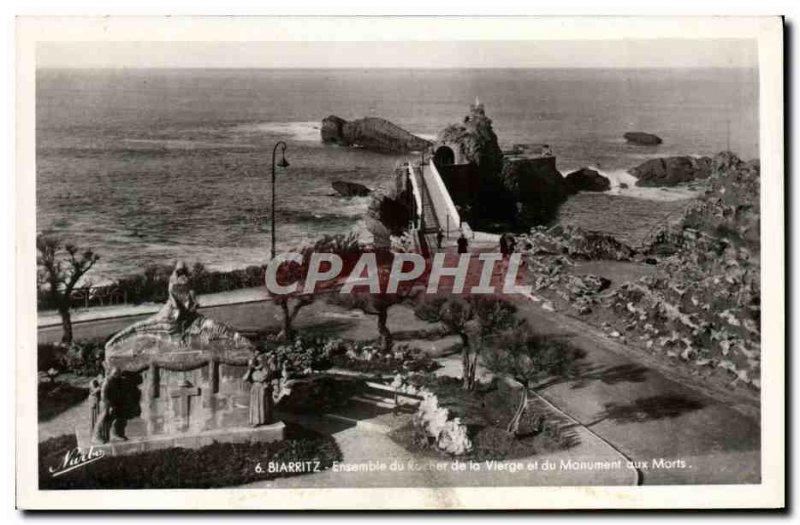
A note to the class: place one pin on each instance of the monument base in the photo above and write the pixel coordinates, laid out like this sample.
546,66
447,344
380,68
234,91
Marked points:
134,445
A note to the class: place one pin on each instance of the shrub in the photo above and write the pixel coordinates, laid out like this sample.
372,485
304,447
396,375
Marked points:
485,413
305,354
368,358
83,358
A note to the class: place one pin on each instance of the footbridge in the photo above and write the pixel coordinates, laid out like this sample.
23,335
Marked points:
434,209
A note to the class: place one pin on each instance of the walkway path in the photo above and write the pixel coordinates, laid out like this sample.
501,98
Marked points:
364,441
647,415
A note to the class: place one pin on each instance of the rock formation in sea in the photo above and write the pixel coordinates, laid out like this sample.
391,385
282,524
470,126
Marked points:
671,171
371,133
350,189
537,188
586,179
642,139
476,141
515,191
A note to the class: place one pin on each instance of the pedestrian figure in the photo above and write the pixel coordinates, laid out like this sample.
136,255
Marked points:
511,243
463,244
439,238
503,245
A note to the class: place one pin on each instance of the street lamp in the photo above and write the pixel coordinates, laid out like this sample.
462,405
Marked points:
283,164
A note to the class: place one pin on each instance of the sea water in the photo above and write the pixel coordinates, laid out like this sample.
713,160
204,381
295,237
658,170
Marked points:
149,165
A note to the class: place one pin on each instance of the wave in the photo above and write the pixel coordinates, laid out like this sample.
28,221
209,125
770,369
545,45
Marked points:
624,184
299,131
177,144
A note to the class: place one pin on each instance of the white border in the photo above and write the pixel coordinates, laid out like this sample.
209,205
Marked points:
770,493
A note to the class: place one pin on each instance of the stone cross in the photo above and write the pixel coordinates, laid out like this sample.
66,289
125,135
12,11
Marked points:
184,394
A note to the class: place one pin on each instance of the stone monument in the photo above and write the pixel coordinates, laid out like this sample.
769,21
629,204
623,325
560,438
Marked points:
179,378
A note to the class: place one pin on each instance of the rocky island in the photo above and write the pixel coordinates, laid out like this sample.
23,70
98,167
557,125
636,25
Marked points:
350,189
586,179
642,139
371,133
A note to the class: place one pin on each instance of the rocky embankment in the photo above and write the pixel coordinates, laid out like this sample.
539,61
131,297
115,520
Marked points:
700,305
371,133
671,171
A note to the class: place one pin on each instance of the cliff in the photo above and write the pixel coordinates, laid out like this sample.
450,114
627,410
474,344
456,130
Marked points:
371,133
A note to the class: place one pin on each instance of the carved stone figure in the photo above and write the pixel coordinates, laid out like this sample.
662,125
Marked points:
119,402
261,371
95,393
177,314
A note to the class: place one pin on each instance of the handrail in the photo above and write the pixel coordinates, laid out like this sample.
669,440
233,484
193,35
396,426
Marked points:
451,212
417,194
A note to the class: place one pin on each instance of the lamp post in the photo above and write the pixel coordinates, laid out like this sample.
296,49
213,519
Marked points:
283,164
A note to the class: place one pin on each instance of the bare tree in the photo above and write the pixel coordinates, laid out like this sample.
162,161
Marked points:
378,304
59,269
528,358
291,272
474,319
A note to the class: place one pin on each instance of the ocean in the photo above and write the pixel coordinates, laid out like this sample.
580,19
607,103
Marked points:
149,165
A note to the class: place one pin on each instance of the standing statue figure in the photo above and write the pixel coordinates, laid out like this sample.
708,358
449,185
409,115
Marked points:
107,425
95,393
261,371
119,402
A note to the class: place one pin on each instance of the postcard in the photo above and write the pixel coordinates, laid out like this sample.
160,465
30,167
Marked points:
400,263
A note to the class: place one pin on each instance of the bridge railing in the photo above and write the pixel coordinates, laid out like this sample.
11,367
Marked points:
443,205
417,196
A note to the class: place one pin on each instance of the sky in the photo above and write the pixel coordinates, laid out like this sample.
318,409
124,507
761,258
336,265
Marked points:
666,53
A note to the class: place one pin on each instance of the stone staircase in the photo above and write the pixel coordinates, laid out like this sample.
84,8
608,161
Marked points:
429,221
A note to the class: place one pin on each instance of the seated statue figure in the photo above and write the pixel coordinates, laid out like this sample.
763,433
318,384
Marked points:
175,317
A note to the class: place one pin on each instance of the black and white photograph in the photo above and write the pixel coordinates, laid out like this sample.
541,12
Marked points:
283,258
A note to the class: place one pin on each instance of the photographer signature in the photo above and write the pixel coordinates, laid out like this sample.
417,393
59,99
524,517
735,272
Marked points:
76,458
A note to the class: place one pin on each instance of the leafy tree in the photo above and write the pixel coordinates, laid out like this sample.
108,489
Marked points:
528,358
59,270
474,318
346,246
